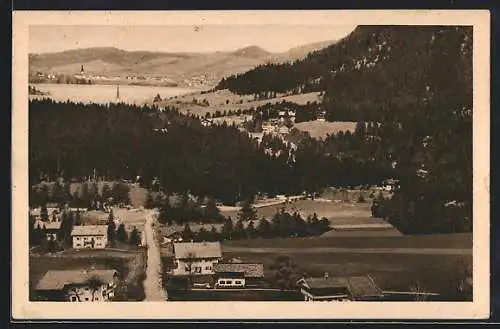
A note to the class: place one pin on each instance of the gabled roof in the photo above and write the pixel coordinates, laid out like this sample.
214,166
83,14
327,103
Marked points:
90,230
250,270
358,286
184,250
47,225
57,280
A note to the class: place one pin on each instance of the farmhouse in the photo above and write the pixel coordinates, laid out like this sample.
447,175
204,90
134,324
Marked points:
78,285
339,288
196,258
238,275
90,236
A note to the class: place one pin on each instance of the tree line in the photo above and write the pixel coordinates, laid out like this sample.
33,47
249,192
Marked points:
86,196
282,225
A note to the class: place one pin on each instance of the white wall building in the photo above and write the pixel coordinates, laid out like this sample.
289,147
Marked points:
90,236
196,257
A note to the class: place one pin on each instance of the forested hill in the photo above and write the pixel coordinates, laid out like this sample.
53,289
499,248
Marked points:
374,68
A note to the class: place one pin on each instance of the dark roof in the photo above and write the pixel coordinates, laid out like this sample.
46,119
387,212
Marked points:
331,282
358,286
363,286
250,270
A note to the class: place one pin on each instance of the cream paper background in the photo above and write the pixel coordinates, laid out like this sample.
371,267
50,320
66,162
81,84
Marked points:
479,308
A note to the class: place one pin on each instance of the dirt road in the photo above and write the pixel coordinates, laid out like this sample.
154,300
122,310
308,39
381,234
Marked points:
421,251
153,288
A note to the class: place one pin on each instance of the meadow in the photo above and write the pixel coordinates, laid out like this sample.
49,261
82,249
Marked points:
396,263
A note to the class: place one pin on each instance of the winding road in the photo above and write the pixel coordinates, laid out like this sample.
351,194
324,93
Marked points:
153,288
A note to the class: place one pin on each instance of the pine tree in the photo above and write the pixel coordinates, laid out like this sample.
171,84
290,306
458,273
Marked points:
247,211
121,234
78,219
149,203
264,229
250,230
202,234
44,214
187,234
214,234
239,230
106,192
227,229
135,237
111,233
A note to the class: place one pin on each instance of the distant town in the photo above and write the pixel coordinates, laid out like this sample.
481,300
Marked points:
342,175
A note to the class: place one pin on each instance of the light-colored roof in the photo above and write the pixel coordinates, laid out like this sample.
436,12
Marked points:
183,250
56,280
90,230
254,270
47,225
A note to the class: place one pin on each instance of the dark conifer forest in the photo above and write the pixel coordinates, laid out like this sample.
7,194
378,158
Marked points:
409,89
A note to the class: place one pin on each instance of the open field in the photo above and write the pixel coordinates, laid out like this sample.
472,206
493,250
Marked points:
344,217
130,265
225,100
394,262
320,129
131,218
436,241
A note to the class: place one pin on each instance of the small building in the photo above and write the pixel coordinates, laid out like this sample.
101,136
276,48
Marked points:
90,236
50,228
94,285
238,275
353,288
196,258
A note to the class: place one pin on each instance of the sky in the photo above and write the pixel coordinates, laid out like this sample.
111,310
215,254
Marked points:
181,38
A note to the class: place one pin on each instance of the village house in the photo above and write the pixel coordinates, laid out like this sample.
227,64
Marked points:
327,289
90,236
238,275
50,228
196,258
53,212
94,285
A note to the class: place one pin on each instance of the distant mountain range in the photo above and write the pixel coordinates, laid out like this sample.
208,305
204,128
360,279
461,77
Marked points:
182,68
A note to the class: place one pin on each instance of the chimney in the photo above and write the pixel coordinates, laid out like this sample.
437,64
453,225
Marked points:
326,275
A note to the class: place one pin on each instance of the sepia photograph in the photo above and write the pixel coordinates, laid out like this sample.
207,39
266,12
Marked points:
267,161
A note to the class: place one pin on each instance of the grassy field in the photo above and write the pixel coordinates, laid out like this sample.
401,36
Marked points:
225,100
394,262
320,129
343,216
130,265
438,241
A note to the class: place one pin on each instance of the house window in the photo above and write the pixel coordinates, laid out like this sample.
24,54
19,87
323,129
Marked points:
73,299
208,268
86,299
197,269
104,293
222,282
237,282
78,238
